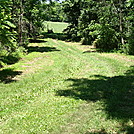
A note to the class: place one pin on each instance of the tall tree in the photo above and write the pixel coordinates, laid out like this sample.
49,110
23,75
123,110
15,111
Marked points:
6,25
104,23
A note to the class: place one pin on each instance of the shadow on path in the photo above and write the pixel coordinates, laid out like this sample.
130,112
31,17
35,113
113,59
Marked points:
117,93
59,36
37,41
97,132
41,49
7,75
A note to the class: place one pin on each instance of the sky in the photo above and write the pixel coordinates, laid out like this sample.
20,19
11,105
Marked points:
55,0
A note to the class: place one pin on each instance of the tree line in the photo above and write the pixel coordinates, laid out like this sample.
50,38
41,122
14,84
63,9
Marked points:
106,24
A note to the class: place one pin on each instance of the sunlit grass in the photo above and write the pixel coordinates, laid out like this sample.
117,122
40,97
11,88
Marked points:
57,27
61,90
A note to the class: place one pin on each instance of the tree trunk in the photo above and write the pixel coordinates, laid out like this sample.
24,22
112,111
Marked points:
121,22
20,25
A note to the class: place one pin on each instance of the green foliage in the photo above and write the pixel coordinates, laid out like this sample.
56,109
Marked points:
129,47
34,17
106,24
53,12
19,20
72,11
130,30
7,33
131,42
106,38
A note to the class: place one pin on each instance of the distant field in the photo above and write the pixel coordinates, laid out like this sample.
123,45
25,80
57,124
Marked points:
57,27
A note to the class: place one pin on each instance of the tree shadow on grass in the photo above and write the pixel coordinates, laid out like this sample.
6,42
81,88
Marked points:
37,41
59,36
41,49
102,131
7,75
93,50
117,93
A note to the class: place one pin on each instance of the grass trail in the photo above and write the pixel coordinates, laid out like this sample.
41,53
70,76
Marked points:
62,88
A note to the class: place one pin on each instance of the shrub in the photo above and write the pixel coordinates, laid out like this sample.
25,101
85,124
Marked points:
106,38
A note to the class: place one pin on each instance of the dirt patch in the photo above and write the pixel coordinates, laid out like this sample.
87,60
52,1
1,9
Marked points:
85,48
33,66
117,56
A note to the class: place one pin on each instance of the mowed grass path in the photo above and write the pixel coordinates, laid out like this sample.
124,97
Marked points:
63,88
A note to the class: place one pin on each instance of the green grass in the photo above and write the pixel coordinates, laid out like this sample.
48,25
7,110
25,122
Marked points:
57,27
60,88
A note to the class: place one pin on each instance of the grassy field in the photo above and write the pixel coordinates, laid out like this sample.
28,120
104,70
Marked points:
65,88
57,27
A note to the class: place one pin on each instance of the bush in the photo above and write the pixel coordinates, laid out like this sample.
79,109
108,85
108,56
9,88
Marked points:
128,47
72,33
86,37
12,57
106,38
131,42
